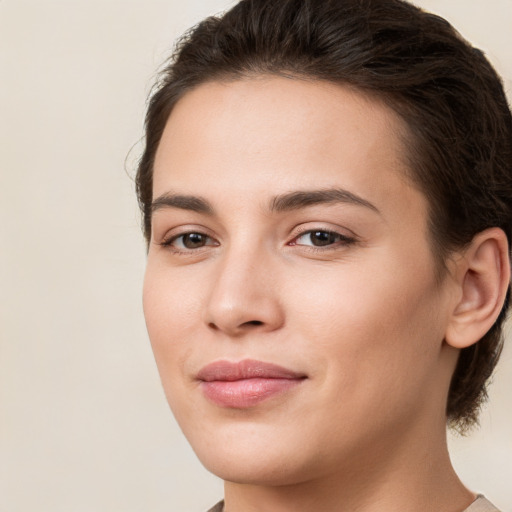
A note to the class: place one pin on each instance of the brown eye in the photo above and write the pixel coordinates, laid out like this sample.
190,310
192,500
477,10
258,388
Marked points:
322,238
194,240
189,241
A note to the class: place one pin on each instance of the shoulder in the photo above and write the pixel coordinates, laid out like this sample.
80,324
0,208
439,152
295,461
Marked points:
479,505
220,507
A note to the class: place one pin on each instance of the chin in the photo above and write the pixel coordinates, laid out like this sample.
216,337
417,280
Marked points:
270,471
242,460
256,456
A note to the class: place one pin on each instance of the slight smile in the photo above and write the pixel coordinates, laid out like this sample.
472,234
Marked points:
246,383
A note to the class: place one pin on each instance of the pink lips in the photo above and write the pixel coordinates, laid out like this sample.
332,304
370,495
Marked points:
245,383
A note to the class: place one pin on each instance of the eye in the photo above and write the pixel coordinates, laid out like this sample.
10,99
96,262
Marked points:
321,238
189,241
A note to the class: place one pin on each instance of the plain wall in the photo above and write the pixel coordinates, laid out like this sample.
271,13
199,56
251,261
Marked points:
84,425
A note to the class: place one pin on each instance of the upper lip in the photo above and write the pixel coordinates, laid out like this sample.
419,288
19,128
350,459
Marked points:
245,369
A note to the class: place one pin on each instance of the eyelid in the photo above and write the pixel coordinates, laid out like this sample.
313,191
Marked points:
343,239
340,239
173,234
311,227
168,242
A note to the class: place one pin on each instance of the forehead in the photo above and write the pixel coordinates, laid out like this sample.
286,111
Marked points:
275,134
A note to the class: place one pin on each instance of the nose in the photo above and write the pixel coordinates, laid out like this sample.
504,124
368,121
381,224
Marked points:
244,296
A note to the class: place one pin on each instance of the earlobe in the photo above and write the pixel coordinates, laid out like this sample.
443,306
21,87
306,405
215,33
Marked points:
483,275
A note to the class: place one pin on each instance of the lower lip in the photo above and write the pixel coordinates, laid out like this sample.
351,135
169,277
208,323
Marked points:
245,393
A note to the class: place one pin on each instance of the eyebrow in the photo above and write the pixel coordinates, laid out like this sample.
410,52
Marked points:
281,203
303,199
183,202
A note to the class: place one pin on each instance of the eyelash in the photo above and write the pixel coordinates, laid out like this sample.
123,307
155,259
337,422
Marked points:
340,240
168,242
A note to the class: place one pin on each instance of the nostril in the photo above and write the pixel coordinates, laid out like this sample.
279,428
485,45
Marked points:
250,323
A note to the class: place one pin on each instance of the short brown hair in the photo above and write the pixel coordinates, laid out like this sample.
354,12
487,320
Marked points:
460,125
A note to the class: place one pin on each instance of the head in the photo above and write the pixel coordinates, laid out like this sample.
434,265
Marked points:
458,125
376,300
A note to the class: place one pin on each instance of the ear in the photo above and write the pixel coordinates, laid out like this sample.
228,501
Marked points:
483,276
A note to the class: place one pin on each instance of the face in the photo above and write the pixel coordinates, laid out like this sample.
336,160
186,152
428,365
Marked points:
290,293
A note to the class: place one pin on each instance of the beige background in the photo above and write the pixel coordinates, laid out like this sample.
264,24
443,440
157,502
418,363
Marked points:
83,421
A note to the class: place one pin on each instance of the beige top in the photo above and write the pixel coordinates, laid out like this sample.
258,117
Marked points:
479,505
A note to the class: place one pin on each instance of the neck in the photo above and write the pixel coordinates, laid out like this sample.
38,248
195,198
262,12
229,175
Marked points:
411,473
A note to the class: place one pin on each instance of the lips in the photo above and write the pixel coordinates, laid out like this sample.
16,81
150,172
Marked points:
245,383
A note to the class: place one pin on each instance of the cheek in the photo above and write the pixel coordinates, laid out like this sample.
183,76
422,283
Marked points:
351,303
171,299
171,315
373,330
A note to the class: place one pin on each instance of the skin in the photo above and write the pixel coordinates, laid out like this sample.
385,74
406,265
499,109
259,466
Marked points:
363,318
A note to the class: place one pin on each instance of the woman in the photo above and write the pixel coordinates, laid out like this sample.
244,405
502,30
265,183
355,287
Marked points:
327,200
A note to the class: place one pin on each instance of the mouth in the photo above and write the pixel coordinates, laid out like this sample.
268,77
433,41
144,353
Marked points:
244,384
